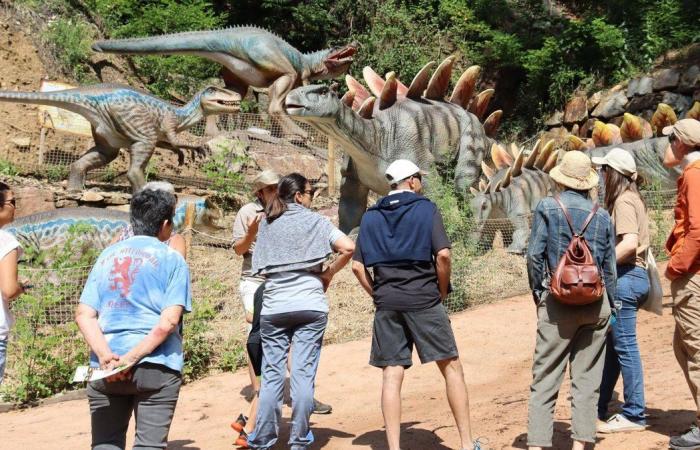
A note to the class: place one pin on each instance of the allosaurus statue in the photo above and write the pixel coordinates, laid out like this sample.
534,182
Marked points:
251,56
412,122
122,117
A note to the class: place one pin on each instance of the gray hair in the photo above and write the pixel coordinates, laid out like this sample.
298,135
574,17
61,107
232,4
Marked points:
149,209
159,186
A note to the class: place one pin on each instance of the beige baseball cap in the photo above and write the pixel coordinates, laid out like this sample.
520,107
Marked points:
620,160
265,178
687,130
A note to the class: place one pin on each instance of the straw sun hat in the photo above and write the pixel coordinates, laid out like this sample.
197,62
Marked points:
265,178
575,172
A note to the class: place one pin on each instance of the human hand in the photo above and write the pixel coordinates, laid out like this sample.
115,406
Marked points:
121,361
254,224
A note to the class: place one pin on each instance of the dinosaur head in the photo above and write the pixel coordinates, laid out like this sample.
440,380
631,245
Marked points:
335,62
315,102
216,100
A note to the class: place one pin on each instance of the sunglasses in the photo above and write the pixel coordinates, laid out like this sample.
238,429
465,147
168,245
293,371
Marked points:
310,192
418,175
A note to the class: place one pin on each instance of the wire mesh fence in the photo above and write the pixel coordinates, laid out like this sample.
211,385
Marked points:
46,346
219,150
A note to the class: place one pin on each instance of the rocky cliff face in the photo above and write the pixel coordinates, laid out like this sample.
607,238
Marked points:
674,82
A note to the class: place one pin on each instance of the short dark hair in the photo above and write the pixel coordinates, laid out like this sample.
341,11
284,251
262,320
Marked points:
149,209
4,188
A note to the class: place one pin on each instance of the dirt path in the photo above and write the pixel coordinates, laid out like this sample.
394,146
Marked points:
496,343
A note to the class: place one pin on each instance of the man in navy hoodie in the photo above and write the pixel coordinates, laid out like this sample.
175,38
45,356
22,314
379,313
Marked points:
402,239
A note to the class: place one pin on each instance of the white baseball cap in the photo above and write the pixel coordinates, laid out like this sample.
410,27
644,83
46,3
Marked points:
620,160
401,169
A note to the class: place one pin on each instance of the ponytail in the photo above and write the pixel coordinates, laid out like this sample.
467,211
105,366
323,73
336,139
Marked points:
287,188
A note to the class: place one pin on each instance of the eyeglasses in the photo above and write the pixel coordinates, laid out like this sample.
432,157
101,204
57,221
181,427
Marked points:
12,202
310,192
418,175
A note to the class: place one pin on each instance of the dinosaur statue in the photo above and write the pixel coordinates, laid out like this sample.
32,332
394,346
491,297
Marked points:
250,56
412,122
511,190
45,230
122,117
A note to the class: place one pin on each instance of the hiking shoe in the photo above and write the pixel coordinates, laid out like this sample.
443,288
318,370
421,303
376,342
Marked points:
239,424
690,440
619,423
321,408
242,440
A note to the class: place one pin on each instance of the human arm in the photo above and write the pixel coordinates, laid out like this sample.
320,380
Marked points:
245,231
685,256
610,265
9,284
177,243
344,246
363,276
167,324
626,249
86,318
537,252
443,267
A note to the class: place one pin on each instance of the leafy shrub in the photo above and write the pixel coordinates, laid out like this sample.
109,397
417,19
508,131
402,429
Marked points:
70,39
8,169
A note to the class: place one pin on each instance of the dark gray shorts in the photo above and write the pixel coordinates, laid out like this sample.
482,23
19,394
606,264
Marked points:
395,333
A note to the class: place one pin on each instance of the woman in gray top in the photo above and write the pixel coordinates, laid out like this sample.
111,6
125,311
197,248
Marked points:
293,243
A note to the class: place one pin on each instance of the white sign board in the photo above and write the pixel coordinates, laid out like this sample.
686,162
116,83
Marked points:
60,119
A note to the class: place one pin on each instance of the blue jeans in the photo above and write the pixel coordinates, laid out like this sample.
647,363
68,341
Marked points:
3,358
303,332
622,349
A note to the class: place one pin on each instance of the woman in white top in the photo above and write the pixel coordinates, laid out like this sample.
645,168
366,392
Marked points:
10,288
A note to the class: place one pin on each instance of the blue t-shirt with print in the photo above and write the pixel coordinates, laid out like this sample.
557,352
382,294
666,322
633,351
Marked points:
132,282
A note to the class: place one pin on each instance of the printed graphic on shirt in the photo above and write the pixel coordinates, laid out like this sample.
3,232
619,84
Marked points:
123,273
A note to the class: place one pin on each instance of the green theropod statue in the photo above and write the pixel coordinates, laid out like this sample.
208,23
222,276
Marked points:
250,56
122,117
414,122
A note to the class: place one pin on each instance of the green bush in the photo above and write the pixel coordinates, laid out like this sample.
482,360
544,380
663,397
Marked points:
70,39
8,169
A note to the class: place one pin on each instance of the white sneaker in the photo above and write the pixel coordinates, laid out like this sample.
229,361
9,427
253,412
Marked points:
619,423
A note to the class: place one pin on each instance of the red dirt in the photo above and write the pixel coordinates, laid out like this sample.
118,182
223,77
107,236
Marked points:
496,343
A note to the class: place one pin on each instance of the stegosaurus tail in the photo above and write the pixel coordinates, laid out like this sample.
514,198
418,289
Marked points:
386,91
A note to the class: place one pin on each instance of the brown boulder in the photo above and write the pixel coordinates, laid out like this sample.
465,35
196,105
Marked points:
555,119
690,80
575,111
32,200
640,86
593,100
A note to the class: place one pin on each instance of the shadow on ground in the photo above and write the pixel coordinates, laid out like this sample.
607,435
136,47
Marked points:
411,439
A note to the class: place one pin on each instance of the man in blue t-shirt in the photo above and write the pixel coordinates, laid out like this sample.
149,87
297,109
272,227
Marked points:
403,239
130,313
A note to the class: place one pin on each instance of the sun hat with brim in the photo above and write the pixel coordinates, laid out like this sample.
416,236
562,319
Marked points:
575,172
687,130
264,179
620,160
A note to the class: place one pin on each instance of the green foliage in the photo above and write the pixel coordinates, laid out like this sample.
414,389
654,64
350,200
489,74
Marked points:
131,18
458,221
56,173
8,169
223,168
70,39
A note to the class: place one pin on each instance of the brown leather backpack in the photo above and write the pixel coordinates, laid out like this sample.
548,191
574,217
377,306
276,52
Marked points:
577,280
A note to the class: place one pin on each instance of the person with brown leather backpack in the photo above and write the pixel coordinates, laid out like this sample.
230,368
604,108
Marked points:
571,269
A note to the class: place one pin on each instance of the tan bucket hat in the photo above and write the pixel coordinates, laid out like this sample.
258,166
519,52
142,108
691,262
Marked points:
687,130
575,171
265,178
